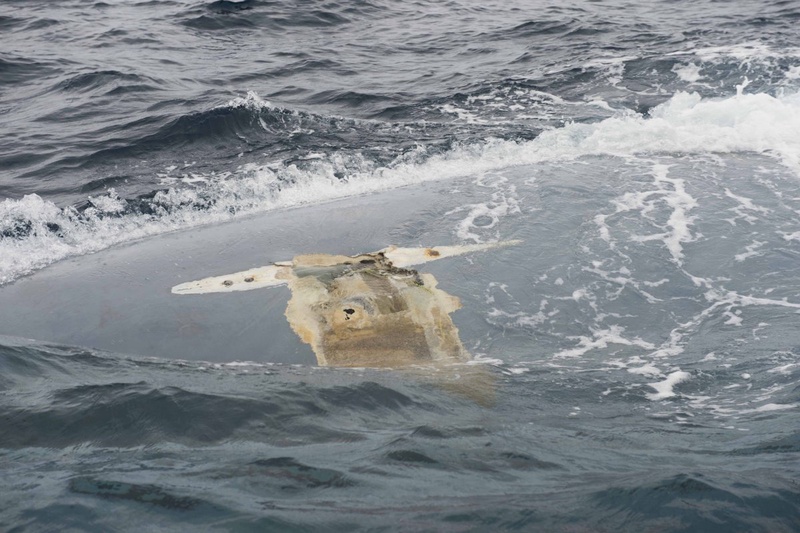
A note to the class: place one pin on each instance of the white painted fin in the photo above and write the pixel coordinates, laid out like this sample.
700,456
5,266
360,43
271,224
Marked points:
406,257
255,278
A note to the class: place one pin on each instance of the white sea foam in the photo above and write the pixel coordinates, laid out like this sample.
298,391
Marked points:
622,279
512,104
110,203
746,210
670,192
647,370
784,369
250,101
666,388
684,124
733,319
752,251
503,203
689,73
600,339
728,303
772,407
746,52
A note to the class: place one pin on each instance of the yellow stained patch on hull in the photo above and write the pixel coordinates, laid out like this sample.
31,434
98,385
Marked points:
363,312
371,310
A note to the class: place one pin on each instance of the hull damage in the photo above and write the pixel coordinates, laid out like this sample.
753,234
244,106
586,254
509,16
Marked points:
369,310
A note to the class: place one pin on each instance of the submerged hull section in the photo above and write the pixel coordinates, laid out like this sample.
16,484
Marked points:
120,300
367,310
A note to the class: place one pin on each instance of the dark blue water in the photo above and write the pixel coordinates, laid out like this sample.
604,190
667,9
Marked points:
643,344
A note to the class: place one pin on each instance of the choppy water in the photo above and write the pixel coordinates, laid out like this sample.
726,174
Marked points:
643,341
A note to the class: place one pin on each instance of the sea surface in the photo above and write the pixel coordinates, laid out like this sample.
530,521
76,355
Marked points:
643,343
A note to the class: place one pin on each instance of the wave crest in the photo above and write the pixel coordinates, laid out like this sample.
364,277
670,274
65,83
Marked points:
34,232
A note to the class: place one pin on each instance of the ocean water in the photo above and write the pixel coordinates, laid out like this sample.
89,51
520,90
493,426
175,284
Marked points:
642,344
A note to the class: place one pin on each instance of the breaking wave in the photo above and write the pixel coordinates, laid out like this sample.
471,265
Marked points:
35,232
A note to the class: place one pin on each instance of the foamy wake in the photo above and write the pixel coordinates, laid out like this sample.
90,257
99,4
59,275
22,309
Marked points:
686,124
